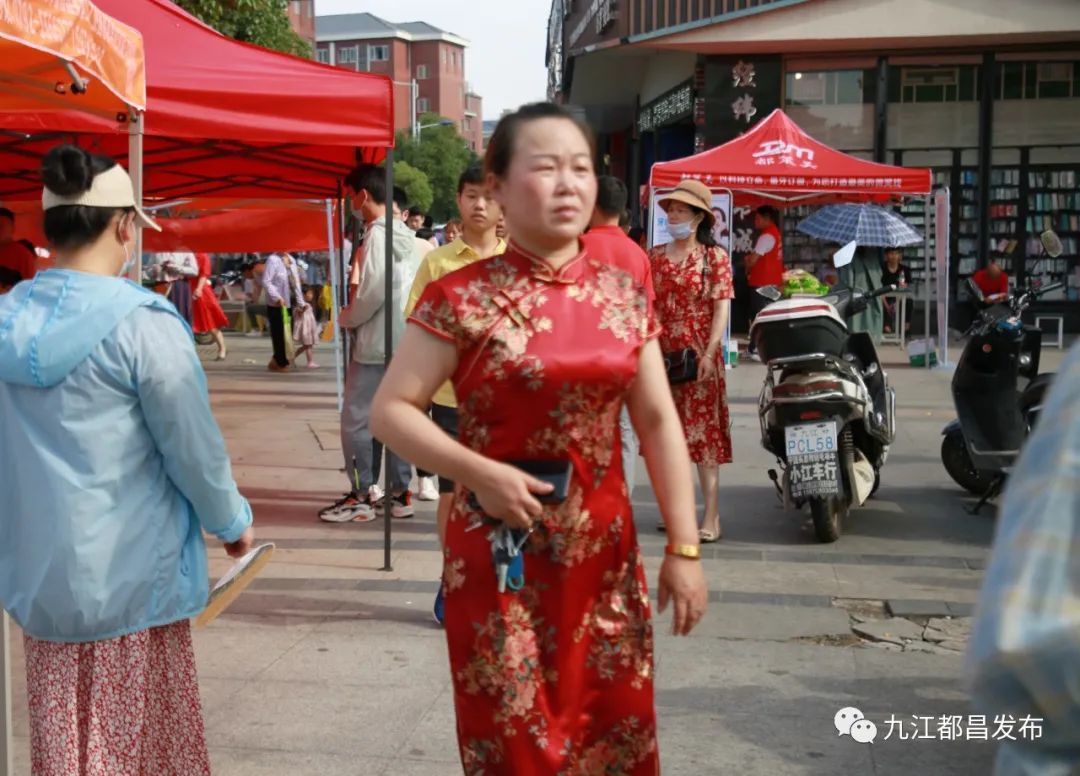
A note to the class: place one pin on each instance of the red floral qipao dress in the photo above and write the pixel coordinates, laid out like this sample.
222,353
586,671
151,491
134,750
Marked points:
555,678
686,293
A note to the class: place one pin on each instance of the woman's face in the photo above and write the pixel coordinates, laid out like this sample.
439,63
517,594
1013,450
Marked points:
549,191
681,213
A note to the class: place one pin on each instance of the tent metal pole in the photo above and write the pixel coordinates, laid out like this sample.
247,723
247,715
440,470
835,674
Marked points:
390,313
7,765
335,283
135,170
928,209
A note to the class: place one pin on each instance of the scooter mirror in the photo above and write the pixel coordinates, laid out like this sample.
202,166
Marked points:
1052,243
771,293
845,255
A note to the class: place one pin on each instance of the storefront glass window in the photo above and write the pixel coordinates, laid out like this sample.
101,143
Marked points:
834,106
933,106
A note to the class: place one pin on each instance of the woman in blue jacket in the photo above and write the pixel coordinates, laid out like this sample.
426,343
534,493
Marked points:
113,466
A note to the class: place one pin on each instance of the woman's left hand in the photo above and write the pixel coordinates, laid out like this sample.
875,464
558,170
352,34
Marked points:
682,581
706,368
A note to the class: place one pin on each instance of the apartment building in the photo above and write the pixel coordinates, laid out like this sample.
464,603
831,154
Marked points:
302,18
427,65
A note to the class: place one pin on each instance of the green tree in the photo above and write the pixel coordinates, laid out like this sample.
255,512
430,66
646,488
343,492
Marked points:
442,155
262,22
415,183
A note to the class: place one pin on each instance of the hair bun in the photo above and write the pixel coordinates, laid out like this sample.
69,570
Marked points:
67,170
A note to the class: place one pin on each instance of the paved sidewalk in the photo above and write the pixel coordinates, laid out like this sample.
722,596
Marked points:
329,665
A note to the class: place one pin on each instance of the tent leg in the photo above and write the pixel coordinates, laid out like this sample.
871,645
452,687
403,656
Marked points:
928,261
7,766
334,285
391,312
135,170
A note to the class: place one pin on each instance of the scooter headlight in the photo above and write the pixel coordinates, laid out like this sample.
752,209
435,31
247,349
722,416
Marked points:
1025,359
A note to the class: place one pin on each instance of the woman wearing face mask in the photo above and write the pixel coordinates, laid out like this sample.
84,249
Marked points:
694,289
544,345
114,467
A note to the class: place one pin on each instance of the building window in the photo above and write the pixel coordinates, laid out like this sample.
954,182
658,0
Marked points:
1054,79
1038,80
445,57
935,84
455,60
346,55
834,87
466,124
323,55
423,105
421,72
378,53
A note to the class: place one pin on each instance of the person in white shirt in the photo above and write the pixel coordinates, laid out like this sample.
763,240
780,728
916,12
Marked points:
280,281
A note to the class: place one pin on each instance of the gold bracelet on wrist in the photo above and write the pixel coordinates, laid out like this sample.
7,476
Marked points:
688,551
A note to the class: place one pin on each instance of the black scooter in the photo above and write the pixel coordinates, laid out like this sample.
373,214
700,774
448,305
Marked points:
998,392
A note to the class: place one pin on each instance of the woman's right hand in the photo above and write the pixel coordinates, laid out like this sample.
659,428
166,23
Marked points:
243,545
509,494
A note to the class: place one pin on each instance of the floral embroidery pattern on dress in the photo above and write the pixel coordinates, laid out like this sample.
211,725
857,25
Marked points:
586,420
619,624
623,306
625,747
567,532
506,664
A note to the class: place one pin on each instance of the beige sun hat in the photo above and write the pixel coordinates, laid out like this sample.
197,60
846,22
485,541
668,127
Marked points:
111,188
695,194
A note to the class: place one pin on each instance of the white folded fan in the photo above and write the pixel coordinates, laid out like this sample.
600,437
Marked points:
234,582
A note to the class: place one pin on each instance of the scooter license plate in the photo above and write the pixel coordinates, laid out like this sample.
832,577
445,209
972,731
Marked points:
811,438
813,462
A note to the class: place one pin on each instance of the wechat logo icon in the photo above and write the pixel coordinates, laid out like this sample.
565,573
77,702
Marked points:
849,721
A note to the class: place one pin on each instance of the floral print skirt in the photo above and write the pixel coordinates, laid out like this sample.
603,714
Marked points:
704,414
122,707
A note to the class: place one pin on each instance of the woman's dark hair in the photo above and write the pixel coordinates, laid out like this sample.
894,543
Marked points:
503,143
704,233
68,171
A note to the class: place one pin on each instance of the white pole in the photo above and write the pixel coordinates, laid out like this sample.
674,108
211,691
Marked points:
7,765
334,286
135,170
414,94
928,209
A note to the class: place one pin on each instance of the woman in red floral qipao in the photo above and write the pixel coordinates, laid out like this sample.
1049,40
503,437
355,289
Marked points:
544,345
692,277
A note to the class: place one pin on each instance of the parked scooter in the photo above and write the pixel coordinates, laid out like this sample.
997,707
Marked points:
826,409
998,392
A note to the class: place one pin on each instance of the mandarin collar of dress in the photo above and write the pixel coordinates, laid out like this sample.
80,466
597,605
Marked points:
568,274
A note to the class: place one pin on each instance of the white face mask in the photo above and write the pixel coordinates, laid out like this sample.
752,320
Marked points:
680,231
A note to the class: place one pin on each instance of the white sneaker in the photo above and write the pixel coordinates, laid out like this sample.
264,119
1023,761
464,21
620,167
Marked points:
375,493
429,491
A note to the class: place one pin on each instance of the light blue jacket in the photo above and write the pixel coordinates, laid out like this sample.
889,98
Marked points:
111,463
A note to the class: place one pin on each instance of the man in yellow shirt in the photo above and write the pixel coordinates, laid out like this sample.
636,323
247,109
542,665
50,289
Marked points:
480,217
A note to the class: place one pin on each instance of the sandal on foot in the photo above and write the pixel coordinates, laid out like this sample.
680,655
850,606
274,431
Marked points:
708,537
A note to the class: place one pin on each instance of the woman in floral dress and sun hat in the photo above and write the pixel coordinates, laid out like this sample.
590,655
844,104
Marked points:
694,289
544,345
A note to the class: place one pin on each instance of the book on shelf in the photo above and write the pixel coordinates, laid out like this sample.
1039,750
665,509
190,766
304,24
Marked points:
1052,179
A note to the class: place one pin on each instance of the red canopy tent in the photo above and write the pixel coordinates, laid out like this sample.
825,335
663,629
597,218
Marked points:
209,226
776,162
222,117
